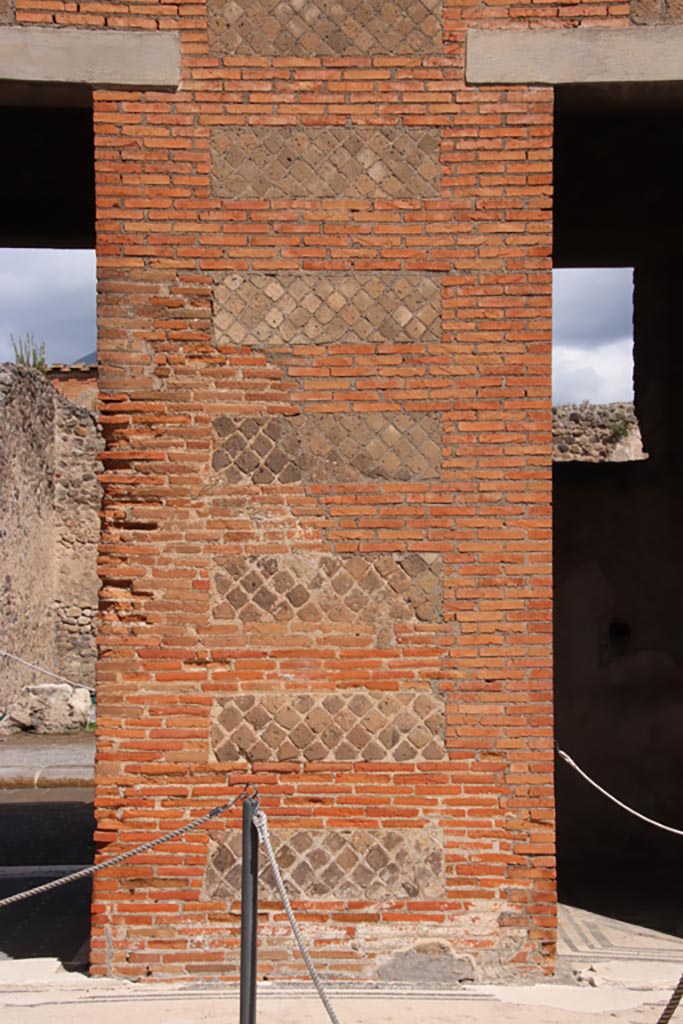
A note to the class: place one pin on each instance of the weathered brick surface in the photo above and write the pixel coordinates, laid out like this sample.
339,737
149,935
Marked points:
355,864
300,162
328,164
357,726
315,27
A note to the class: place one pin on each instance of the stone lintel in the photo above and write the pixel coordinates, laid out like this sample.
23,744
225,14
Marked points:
574,56
94,57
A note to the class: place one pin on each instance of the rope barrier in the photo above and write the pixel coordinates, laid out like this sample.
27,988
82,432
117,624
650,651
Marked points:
624,807
677,994
672,1005
261,823
46,672
121,857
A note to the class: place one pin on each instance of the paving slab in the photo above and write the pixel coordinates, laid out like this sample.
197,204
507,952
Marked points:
32,761
41,995
600,950
626,989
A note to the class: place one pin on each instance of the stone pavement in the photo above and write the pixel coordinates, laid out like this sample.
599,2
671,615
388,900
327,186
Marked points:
41,995
608,971
30,761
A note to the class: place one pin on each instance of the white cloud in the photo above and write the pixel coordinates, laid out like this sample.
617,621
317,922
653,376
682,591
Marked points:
592,307
50,294
603,374
593,335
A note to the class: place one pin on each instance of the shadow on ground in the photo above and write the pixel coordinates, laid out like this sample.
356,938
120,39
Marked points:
40,842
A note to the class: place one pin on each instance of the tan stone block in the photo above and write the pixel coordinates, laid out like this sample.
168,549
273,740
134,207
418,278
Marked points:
325,591
366,726
313,308
657,12
359,864
379,162
319,28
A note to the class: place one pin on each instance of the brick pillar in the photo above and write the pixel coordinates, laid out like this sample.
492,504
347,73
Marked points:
325,336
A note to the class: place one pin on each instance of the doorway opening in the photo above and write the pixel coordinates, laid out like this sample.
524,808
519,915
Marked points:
618,546
49,500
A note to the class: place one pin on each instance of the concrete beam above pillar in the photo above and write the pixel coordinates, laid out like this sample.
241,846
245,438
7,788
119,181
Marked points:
574,55
92,57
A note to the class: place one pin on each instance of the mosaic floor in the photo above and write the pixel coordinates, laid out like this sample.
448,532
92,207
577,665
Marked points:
582,933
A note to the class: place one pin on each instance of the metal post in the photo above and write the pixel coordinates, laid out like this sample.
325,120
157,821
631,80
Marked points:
249,913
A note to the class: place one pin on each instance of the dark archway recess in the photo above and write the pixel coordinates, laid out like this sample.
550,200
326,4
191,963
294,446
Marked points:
47,176
41,841
618,541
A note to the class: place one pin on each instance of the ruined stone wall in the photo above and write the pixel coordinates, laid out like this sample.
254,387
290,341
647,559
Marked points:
49,515
28,557
77,501
596,433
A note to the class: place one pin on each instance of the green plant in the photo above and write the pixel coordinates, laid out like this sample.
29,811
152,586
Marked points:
620,428
29,352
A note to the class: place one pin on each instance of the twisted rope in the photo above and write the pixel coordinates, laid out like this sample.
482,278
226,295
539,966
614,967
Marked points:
261,823
624,807
677,994
672,1005
121,857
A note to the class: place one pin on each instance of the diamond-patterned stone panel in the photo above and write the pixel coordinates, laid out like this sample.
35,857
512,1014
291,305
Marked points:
315,588
384,445
355,864
362,725
657,12
304,28
269,162
345,448
260,449
307,308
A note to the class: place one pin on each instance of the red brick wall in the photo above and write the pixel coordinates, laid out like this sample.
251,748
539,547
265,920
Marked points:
77,384
174,527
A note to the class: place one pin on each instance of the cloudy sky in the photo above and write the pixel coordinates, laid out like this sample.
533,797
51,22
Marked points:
592,335
51,294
